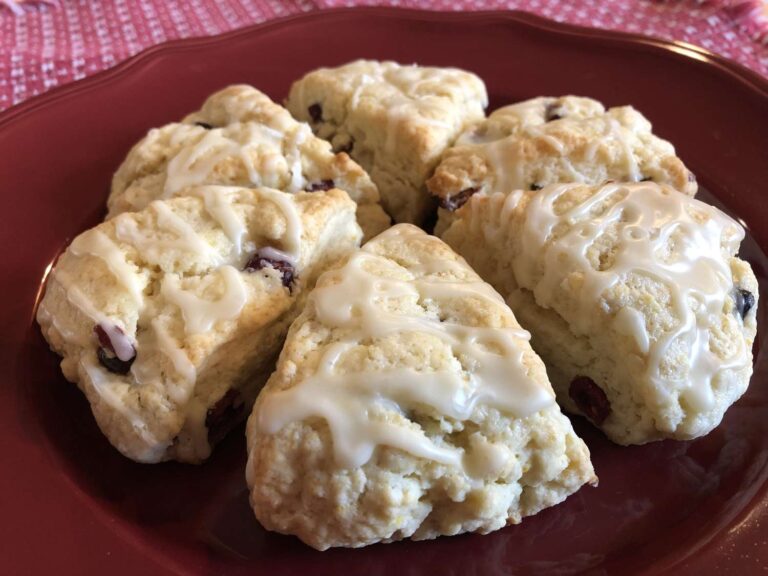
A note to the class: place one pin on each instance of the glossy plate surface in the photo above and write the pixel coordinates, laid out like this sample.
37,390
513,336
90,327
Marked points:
71,504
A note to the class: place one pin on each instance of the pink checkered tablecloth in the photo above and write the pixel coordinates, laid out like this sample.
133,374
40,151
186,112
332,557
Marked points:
49,43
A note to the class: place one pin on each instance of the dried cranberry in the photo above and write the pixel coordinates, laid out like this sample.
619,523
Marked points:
323,185
745,300
104,340
315,112
347,148
272,258
590,399
204,125
113,363
535,187
223,416
106,351
553,112
456,201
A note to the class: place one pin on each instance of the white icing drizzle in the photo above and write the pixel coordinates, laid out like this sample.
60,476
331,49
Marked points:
276,135
98,244
507,166
618,133
631,322
194,164
538,132
399,87
503,154
218,204
647,217
293,156
79,300
190,166
486,459
365,80
277,255
293,228
495,375
186,239
200,314
109,390
120,342
178,392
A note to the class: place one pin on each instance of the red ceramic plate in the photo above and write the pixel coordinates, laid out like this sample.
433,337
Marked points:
70,504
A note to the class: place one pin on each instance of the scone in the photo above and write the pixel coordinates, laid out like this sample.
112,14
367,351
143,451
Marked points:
634,297
240,137
545,141
396,121
171,318
407,403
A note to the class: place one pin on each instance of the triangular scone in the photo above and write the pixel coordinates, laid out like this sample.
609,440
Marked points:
633,295
240,137
407,403
172,317
395,120
543,141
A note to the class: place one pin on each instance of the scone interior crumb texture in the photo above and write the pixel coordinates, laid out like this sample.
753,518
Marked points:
170,318
633,294
407,403
240,137
395,120
549,140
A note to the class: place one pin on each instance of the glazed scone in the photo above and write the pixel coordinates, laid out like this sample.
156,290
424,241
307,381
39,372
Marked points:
634,297
170,318
240,137
407,403
545,141
396,121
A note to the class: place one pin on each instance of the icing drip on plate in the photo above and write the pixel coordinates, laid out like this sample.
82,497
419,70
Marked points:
493,373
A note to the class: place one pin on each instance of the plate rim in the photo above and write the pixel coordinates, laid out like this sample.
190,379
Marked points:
680,51
691,53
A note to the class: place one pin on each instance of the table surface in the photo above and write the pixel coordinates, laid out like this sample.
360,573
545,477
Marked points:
44,44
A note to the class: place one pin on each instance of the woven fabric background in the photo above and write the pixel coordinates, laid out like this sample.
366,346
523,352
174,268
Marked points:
46,44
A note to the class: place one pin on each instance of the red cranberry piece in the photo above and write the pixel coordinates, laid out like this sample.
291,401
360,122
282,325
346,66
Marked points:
223,416
347,148
315,112
271,258
456,201
323,185
745,300
204,125
113,363
116,353
553,112
590,399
